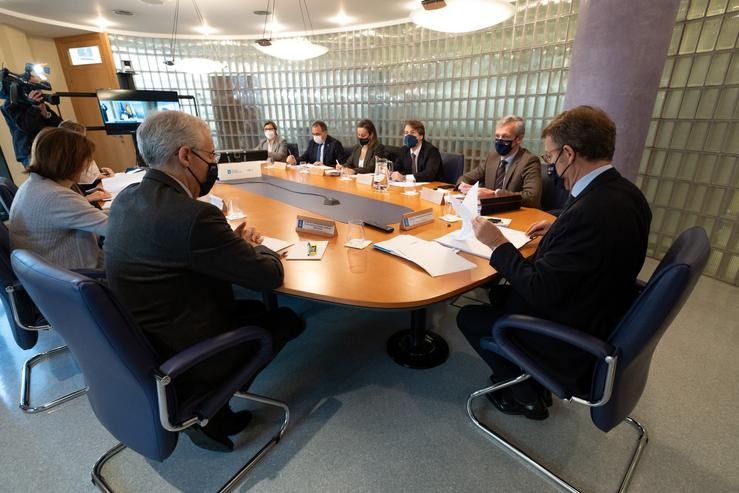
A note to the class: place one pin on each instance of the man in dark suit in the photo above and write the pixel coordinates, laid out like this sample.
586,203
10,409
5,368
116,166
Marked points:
418,156
172,260
508,167
322,149
583,273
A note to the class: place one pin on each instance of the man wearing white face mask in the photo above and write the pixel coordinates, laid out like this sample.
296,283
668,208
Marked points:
275,145
322,149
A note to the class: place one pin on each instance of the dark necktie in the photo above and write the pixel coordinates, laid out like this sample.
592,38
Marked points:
414,164
500,174
318,155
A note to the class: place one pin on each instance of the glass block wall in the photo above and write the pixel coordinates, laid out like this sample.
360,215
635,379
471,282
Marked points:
690,167
457,84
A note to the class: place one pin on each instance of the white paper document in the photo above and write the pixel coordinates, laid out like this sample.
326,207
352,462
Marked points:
432,257
307,250
119,181
474,246
467,210
405,184
274,244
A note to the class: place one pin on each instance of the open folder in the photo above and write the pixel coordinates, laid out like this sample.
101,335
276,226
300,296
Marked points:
474,246
432,257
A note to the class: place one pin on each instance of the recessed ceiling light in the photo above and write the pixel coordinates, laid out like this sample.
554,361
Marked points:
262,12
342,18
102,22
153,2
206,29
126,13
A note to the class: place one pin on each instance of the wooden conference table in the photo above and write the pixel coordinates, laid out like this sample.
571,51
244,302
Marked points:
370,278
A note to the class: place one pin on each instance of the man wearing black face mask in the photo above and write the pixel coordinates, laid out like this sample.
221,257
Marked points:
172,260
584,271
509,167
418,156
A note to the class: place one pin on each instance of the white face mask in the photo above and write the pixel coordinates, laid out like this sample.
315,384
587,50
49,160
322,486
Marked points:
270,134
318,139
91,174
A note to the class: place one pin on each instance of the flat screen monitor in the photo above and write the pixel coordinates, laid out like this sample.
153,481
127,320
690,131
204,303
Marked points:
123,110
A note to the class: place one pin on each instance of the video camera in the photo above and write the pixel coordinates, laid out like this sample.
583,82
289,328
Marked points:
17,87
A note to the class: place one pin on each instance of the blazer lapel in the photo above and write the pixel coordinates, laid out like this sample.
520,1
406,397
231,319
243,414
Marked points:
604,177
511,168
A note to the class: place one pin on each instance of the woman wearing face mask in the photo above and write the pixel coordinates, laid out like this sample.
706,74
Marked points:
89,184
275,145
362,158
47,216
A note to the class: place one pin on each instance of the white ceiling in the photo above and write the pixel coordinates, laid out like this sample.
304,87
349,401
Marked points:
229,18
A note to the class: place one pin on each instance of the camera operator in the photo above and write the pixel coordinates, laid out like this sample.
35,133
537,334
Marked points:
26,117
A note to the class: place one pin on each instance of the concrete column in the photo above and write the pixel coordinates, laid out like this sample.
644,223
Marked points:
617,60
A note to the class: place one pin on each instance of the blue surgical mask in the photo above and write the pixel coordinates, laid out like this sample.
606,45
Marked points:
410,141
503,146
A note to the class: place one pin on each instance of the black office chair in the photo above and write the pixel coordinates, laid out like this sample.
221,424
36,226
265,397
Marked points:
292,150
392,152
553,194
25,323
129,387
452,167
7,194
623,364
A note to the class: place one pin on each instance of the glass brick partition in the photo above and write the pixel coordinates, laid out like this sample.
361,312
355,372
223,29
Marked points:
690,167
458,85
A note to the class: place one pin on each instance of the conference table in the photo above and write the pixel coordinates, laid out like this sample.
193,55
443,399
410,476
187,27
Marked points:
369,278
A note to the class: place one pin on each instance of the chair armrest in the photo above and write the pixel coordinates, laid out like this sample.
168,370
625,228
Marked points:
199,352
507,325
91,273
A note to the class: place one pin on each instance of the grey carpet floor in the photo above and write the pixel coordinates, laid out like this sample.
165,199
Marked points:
362,423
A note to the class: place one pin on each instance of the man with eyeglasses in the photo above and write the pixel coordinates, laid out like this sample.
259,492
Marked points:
172,259
584,271
508,167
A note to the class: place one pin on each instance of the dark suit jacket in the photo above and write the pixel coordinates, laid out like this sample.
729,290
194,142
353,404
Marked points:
332,151
584,271
522,175
171,260
368,166
428,162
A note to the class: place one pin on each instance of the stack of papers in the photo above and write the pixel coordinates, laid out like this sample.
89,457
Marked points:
119,181
476,247
432,257
405,184
274,244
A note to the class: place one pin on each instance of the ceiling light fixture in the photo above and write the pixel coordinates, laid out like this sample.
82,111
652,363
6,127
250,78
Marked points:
193,65
342,18
125,13
294,49
102,22
461,16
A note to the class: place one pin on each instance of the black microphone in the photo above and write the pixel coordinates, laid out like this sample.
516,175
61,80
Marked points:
326,200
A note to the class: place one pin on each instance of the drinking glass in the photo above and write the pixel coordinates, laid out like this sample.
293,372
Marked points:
411,188
355,233
383,170
233,211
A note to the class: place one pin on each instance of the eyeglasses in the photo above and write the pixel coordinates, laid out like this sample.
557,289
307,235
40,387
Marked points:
214,156
547,156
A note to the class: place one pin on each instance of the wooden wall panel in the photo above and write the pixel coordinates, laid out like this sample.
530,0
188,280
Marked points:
117,151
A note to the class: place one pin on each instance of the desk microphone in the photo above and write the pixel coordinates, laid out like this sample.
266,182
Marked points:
326,200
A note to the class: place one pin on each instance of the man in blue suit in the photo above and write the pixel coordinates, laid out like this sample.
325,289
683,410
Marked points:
322,148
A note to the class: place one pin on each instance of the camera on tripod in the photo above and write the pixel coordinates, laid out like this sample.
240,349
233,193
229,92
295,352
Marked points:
17,87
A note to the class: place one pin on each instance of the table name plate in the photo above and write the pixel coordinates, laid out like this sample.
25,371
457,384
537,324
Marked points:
315,226
414,219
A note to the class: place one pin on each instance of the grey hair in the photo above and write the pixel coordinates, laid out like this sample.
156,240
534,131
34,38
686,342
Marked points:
520,128
162,133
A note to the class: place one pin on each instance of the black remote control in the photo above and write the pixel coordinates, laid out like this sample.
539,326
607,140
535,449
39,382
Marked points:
381,227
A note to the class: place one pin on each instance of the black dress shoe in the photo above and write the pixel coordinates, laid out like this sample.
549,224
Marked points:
235,423
208,439
507,403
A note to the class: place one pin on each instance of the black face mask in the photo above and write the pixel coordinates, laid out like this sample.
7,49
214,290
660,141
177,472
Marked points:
363,142
557,179
210,178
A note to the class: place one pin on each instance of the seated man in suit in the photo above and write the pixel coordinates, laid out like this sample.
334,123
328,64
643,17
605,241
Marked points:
322,149
508,167
172,259
584,271
418,156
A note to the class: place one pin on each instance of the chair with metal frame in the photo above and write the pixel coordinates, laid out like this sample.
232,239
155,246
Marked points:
7,194
130,388
25,323
452,167
622,368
